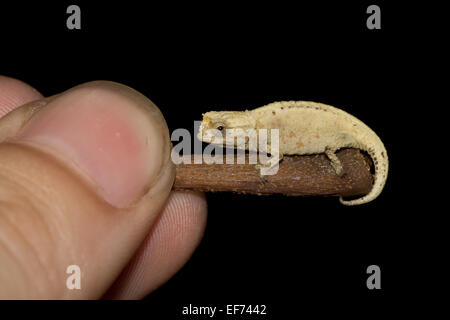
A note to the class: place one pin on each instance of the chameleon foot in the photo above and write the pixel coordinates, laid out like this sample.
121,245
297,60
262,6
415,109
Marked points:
335,162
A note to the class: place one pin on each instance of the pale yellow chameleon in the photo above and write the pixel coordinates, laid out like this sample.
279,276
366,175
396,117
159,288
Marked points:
307,128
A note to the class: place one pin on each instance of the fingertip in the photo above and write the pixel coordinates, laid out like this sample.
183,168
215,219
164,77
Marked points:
106,132
14,93
169,245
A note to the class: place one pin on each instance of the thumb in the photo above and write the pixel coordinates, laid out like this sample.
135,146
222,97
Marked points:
83,175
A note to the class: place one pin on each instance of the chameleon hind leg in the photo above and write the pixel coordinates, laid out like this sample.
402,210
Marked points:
335,162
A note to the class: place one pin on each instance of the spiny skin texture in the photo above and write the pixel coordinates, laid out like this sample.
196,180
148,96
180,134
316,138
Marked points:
307,127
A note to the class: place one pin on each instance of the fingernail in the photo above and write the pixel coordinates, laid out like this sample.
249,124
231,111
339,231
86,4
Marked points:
108,132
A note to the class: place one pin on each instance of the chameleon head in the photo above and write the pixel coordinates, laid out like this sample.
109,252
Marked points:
215,124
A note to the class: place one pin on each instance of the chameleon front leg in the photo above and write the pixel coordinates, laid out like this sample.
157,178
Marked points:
269,165
275,159
335,162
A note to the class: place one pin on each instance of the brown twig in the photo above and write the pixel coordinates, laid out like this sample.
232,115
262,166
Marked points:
308,175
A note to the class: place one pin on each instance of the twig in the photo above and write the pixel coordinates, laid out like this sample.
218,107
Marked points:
308,175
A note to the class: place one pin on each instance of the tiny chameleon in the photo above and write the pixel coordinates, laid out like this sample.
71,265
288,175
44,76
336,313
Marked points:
307,127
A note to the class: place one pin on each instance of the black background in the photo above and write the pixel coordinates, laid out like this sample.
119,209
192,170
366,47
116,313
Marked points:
292,254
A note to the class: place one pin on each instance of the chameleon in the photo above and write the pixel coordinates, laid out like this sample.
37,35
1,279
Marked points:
307,127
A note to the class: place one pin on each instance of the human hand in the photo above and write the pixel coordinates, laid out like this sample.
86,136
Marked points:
85,179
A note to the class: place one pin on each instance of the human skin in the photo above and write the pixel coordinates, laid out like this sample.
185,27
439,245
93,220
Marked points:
85,179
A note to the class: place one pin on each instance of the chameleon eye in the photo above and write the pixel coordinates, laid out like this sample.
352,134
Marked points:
220,128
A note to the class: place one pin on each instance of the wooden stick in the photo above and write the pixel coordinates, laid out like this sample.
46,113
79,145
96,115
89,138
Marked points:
308,175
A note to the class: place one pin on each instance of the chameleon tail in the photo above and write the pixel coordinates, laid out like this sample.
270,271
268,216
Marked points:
380,161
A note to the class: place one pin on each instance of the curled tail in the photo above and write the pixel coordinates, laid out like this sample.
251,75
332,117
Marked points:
380,161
